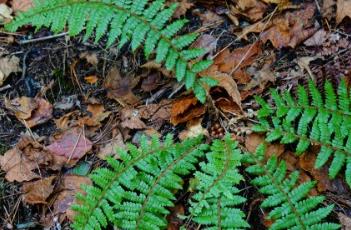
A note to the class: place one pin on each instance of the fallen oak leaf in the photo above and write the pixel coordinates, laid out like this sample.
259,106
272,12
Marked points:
37,192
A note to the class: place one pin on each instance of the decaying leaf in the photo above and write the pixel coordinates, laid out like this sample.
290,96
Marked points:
8,64
20,162
37,192
183,7
30,111
207,42
5,14
109,149
186,109
234,62
91,79
287,29
120,89
252,9
72,144
343,9
345,221
131,119
253,140
97,115
70,186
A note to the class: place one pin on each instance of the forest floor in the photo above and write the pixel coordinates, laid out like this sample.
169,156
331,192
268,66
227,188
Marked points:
55,89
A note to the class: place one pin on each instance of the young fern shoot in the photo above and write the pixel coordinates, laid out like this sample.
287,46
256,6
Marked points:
289,203
313,118
139,22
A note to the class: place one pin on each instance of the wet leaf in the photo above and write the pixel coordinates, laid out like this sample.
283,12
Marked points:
72,144
37,192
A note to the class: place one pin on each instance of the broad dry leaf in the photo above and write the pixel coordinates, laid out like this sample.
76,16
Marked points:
8,65
207,42
21,5
282,4
234,62
20,162
287,29
317,39
5,15
37,192
151,82
254,140
130,118
72,144
30,111
328,9
97,115
109,148
152,65
186,109
343,9
120,89
70,186
252,9
183,7
345,221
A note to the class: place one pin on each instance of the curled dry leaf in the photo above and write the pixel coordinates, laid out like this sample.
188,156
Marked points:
8,65
30,111
37,192
20,162
186,109
97,115
71,144
120,89
193,129
226,82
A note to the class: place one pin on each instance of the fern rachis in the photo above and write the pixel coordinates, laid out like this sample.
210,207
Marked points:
290,205
140,22
325,121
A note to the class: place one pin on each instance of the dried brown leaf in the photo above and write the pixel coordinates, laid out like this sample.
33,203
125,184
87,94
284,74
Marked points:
37,192
343,9
8,65
186,109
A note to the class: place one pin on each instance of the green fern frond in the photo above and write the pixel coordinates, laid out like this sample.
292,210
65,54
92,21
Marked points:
313,118
290,205
139,22
215,198
135,192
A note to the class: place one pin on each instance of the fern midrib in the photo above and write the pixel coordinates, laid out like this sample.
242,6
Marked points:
117,175
292,207
225,169
118,8
313,141
161,175
219,211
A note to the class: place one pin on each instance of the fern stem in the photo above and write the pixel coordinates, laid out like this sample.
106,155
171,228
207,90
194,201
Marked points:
119,8
276,185
116,176
219,213
160,176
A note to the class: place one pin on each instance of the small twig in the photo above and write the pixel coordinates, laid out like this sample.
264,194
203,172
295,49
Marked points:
5,88
24,67
176,91
42,38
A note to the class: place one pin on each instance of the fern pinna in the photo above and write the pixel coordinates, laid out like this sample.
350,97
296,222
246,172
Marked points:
134,192
312,119
290,205
139,22
213,203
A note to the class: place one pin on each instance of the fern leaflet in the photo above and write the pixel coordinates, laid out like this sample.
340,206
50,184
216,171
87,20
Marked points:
213,204
312,118
289,204
139,22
